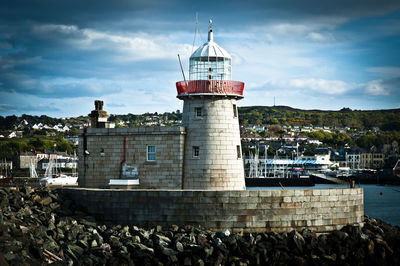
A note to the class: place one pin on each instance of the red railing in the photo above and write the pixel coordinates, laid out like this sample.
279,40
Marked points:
229,87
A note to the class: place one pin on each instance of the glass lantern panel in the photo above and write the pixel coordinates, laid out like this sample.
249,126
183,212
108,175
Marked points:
204,68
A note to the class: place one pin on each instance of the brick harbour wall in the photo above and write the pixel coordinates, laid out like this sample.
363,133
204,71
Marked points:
249,211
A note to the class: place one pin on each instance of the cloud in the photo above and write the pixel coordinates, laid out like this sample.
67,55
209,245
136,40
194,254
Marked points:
311,85
135,47
53,28
118,105
376,88
5,45
319,37
387,72
332,87
125,51
58,88
29,108
5,106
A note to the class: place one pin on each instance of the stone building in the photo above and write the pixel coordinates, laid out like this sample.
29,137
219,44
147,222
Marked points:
353,159
371,160
203,154
24,159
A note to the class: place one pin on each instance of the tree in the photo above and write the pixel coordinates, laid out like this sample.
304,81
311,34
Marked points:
308,152
366,141
64,147
37,143
275,129
271,151
74,132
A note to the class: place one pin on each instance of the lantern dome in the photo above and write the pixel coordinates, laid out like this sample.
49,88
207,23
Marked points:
210,49
210,61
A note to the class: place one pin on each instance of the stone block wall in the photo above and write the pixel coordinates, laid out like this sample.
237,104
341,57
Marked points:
216,133
105,147
250,211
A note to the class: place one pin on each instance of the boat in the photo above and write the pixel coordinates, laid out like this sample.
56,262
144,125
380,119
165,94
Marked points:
59,180
32,170
4,178
276,172
53,178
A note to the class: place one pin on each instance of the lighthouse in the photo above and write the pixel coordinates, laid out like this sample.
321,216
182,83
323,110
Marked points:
212,153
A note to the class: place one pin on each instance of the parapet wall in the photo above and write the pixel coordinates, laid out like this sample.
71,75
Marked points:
249,211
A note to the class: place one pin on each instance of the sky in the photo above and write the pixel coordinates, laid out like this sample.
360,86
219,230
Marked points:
57,57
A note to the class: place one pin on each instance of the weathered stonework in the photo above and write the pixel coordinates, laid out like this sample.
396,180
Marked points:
249,211
105,148
216,132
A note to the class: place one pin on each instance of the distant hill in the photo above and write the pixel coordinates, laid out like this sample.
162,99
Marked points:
384,119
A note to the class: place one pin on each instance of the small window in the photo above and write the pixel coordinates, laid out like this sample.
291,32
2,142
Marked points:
151,153
197,112
239,154
196,151
234,111
209,76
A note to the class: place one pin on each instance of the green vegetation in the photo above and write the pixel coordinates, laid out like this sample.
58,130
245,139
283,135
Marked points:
387,120
9,122
132,120
9,147
377,140
337,139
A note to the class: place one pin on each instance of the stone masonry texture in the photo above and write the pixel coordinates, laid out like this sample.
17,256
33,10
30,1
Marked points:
321,210
105,147
216,133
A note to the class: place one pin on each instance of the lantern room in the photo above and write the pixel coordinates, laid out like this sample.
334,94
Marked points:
210,73
210,61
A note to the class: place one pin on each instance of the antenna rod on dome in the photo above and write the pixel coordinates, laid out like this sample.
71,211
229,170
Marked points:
210,32
195,32
180,63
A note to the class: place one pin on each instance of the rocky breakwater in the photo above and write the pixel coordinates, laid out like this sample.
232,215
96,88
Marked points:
41,227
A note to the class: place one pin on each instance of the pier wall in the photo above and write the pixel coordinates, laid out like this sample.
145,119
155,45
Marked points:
249,211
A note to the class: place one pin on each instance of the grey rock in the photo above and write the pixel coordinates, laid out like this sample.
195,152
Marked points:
298,240
179,246
94,244
143,248
217,241
105,247
168,251
136,239
225,233
201,239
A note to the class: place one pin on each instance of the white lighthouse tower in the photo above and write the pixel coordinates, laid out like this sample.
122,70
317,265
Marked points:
213,156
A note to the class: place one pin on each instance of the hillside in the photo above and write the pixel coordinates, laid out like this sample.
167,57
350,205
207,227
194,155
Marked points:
384,119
